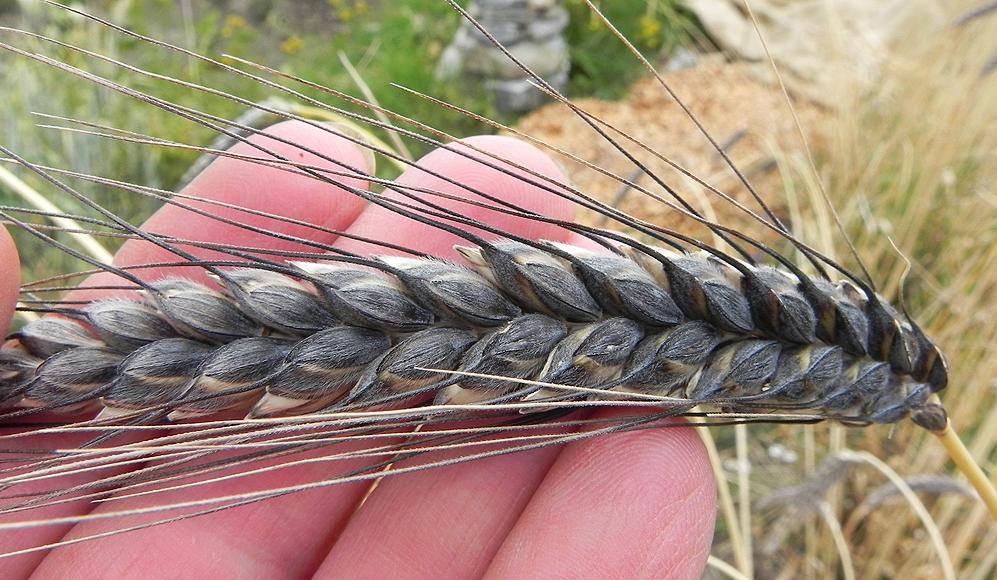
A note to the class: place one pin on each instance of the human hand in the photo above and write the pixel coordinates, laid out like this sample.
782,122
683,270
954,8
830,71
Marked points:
628,505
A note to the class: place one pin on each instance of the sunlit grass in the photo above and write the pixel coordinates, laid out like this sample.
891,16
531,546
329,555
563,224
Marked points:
390,42
913,159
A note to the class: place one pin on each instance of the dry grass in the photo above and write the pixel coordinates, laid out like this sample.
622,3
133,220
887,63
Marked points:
740,111
912,159
919,152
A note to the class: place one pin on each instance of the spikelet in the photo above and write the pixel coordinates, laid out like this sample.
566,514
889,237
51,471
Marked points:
568,336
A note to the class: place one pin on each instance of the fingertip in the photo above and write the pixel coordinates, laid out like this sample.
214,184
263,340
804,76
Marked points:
492,164
637,504
297,142
244,183
502,168
667,478
10,279
672,486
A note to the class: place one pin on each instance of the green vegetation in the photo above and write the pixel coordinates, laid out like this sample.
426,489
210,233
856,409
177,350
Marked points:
601,65
388,42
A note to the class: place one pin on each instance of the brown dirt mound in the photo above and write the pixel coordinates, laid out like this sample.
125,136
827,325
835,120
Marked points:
734,107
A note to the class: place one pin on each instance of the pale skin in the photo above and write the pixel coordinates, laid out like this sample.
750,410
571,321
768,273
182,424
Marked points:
634,505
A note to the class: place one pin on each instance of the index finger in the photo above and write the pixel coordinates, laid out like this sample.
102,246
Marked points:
241,183
244,183
10,278
458,171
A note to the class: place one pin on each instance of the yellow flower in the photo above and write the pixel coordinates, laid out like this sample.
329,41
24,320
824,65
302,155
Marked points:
292,45
650,30
233,22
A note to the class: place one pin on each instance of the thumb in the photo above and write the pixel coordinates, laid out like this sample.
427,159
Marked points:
10,279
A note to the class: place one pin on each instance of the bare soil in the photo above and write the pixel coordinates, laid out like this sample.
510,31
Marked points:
734,107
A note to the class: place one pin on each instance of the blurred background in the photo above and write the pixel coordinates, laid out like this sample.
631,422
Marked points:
399,41
386,42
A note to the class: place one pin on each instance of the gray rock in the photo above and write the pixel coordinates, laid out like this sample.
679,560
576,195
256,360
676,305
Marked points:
532,31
